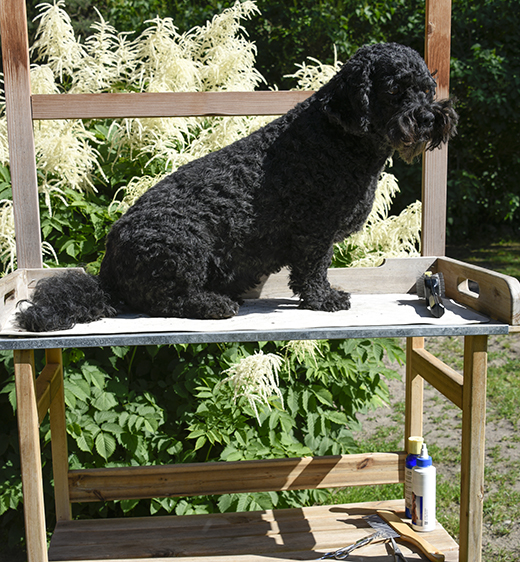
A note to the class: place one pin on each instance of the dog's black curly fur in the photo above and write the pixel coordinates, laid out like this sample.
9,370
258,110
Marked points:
282,196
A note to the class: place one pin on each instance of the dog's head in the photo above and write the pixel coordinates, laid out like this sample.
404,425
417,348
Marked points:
386,89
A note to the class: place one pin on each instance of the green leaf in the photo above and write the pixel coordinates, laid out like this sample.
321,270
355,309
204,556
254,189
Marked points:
130,441
337,417
104,416
243,502
85,442
286,422
112,428
201,441
150,425
292,401
105,444
128,505
225,502
196,433
105,401
323,395
120,351
79,388
123,418
93,375
145,410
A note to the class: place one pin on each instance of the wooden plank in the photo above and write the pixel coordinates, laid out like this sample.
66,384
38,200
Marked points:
22,162
395,275
498,295
435,163
473,448
30,456
414,389
47,385
445,379
60,455
13,288
166,104
434,201
236,477
438,43
295,534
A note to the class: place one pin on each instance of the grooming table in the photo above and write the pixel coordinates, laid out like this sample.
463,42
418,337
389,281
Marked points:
390,308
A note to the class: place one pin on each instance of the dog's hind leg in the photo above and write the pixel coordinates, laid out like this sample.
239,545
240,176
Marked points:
194,304
208,305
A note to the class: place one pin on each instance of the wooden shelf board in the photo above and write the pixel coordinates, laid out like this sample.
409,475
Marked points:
290,534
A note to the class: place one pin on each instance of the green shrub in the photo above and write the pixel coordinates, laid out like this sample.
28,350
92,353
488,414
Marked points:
171,404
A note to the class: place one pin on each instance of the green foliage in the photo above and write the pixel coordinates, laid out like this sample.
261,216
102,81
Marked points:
76,227
161,405
486,81
293,31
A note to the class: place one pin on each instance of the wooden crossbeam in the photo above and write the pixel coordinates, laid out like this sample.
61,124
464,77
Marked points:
167,104
47,385
445,379
236,477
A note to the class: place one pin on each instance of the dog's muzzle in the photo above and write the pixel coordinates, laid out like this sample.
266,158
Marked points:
422,127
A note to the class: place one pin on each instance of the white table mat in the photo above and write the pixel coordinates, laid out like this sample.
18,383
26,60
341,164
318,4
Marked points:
282,313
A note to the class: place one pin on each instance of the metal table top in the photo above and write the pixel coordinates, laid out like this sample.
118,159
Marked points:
168,338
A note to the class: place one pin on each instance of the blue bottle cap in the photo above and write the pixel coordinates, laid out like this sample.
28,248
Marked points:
424,460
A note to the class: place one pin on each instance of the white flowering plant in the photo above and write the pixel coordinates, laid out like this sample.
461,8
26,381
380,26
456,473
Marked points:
119,160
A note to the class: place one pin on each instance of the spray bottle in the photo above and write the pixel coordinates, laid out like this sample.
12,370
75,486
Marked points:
423,492
414,450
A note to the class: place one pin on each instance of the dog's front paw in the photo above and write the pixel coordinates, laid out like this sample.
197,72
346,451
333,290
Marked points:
331,301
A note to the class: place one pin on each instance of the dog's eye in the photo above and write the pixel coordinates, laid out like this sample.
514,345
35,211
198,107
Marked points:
393,90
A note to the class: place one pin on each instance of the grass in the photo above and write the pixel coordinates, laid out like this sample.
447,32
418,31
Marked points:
502,256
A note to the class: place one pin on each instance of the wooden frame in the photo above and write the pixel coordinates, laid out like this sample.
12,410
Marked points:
266,536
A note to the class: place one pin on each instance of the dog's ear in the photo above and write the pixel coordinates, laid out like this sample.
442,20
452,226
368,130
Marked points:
346,98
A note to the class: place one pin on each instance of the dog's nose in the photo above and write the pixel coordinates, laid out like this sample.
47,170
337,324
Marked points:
425,119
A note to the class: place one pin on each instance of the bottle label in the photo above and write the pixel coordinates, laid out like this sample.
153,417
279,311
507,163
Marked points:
423,512
408,491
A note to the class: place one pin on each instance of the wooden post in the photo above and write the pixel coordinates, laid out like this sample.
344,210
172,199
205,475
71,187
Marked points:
30,456
413,421
60,457
473,448
435,163
22,161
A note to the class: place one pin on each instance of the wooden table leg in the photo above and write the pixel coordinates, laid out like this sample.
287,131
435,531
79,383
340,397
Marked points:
414,393
473,448
30,456
60,456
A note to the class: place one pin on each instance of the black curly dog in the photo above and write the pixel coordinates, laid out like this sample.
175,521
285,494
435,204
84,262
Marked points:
282,196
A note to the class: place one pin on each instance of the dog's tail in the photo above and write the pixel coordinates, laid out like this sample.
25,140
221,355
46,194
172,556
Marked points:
60,302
